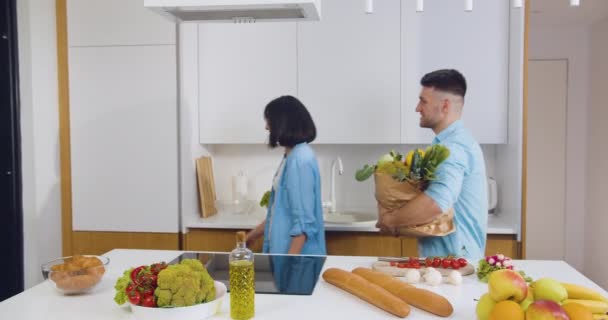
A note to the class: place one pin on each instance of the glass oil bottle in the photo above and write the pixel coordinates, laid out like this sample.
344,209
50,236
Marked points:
242,284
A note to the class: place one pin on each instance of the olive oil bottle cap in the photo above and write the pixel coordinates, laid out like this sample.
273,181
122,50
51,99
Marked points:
241,236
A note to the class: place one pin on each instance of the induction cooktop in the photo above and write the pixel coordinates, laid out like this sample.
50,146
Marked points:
274,274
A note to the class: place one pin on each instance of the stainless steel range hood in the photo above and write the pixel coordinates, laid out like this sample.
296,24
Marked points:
237,10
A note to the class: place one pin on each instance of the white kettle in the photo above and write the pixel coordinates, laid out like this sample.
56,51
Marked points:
492,194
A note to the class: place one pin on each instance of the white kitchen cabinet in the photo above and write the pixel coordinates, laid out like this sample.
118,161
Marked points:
123,123
116,22
242,67
349,72
475,43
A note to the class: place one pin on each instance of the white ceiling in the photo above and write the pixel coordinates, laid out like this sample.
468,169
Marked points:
559,12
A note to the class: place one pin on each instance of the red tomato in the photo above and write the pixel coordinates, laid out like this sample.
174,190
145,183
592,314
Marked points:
135,274
130,287
134,297
463,262
436,262
393,263
148,291
428,262
446,263
401,265
148,302
455,264
158,267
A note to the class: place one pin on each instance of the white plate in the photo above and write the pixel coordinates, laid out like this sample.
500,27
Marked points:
195,312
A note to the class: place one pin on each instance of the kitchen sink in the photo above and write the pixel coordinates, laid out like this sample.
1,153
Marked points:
352,217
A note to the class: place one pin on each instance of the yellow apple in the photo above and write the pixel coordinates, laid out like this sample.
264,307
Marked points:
546,310
549,289
507,284
528,300
484,307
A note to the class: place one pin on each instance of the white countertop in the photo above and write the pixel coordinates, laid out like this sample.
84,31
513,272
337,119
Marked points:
327,301
229,220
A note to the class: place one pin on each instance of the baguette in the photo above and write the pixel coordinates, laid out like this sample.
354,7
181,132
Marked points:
367,291
419,298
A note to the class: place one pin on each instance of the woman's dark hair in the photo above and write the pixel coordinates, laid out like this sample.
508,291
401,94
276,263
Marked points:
447,80
289,122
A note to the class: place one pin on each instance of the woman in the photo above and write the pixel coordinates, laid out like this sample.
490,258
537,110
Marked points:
294,222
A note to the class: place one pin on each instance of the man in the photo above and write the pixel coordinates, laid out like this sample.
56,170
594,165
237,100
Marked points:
461,179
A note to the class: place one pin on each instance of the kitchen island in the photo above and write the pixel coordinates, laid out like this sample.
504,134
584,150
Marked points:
327,301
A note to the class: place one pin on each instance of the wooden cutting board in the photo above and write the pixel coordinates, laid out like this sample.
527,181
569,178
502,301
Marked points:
385,267
206,186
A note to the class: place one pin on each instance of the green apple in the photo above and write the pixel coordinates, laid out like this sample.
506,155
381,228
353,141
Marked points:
549,289
507,284
546,310
528,300
484,307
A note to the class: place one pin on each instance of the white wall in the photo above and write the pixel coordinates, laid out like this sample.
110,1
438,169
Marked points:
596,255
40,135
570,43
259,164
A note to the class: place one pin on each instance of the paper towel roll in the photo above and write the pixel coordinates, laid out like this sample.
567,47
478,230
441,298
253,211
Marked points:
239,188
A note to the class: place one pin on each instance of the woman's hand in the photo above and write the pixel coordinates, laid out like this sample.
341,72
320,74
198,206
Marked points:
297,243
255,233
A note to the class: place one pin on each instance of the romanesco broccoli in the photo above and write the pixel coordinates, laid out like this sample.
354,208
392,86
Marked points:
184,284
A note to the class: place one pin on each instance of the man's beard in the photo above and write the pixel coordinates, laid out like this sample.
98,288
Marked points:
426,123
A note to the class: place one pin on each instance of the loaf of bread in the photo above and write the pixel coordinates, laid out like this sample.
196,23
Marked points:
367,291
419,298
77,273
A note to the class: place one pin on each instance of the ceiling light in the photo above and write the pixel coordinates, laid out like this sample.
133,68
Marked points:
468,5
419,5
369,6
518,3
575,3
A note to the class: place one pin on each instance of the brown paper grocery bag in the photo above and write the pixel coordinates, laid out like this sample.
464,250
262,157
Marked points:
393,195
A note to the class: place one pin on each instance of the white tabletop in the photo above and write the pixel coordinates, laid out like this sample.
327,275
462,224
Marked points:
327,301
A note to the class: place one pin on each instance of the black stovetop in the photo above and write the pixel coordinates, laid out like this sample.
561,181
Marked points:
274,274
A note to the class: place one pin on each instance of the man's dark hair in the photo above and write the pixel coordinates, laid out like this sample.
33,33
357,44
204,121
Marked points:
447,80
289,122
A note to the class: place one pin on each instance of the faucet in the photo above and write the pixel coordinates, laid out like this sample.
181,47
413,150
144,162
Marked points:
332,182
